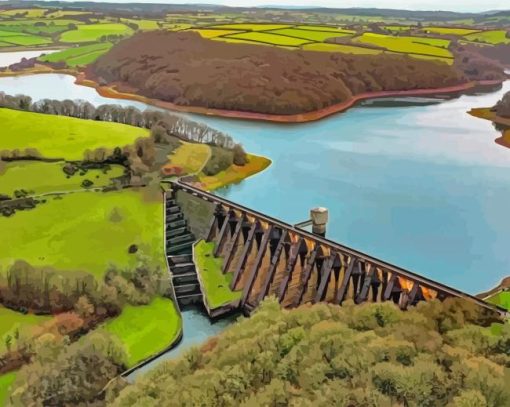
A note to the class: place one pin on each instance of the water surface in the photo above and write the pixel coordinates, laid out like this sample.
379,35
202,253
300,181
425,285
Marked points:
9,58
422,184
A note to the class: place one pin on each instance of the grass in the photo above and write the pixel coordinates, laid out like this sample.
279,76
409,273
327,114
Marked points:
324,29
494,37
143,25
41,177
216,285
408,45
191,156
78,55
235,174
449,31
502,299
319,36
205,33
85,231
268,38
250,27
345,49
147,329
94,32
29,12
18,38
6,380
10,320
62,137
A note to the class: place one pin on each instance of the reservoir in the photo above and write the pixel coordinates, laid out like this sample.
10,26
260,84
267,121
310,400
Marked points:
416,182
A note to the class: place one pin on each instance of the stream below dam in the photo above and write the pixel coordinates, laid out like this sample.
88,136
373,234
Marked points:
417,182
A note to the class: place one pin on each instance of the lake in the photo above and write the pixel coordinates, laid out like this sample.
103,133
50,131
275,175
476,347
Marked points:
9,58
416,182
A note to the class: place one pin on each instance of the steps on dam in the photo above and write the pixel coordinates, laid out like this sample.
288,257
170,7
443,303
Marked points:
179,244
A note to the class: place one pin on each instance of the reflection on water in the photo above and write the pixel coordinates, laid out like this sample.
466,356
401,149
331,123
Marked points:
197,328
421,186
9,58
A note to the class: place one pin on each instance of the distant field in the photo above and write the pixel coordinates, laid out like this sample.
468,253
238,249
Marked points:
345,49
324,28
191,157
62,137
319,36
83,55
209,33
142,24
407,45
490,37
66,13
85,231
28,12
397,28
449,31
147,329
94,32
250,27
268,38
18,38
502,299
38,177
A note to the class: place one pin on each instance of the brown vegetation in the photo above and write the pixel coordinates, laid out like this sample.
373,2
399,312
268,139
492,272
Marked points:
502,108
187,70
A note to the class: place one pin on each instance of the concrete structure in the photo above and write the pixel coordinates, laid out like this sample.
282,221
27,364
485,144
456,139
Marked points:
269,257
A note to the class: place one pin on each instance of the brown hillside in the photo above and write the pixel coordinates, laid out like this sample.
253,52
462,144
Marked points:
187,70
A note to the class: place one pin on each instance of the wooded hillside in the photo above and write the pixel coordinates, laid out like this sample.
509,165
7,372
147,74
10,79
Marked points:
185,69
436,354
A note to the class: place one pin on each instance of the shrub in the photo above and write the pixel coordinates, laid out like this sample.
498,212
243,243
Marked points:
220,160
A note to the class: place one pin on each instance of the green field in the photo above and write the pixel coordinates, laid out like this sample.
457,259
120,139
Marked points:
28,12
77,56
5,386
319,36
449,31
433,47
94,32
268,38
324,29
210,33
62,137
85,231
144,25
502,299
18,38
191,157
216,284
10,320
490,37
146,330
38,177
250,27
345,49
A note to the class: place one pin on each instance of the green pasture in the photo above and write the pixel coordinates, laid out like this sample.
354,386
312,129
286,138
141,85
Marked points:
345,49
11,320
397,28
494,37
433,47
38,177
5,44
144,25
267,38
147,329
502,299
62,137
78,56
216,284
324,28
33,21
318,36
66,13
250,27
210,33
449,31
19,38
6,380
94,32
27,12
85,231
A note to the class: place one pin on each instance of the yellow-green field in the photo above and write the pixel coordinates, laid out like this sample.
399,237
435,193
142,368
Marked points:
94,32
268,38
318,36
191,157
250,27
490,37
449,31
344,49
212,33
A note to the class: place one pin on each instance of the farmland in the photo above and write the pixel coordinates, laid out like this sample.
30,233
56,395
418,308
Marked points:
94,32
78,56
37,177
62,137
489,37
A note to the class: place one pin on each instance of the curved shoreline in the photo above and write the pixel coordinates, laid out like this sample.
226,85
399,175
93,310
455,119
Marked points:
111,92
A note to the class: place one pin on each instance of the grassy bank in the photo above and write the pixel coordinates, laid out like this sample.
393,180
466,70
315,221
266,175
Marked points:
38,177
85,231
62,137
146,330
216,284
235,174
12,320
5,386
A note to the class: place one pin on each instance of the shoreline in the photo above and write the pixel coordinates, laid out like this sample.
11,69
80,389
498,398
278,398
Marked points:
111,92
486,113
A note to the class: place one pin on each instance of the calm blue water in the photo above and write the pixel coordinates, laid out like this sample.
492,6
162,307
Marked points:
422,186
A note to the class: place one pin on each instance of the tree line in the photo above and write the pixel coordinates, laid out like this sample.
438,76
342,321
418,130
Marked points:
161,122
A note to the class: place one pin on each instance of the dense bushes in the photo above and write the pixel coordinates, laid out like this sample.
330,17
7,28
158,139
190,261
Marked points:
323,355
220,160
68,374
503,106
187,70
